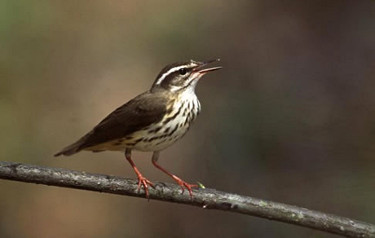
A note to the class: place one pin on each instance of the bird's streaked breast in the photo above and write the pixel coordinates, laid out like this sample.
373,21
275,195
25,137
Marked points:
172,127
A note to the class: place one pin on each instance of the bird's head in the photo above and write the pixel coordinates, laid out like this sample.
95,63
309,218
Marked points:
183,76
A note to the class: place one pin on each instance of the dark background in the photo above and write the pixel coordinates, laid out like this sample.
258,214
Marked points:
290,118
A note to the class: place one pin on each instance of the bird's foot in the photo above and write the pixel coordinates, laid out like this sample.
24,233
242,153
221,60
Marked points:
184,185
142,181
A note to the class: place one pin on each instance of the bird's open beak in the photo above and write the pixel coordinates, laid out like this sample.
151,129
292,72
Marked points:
200,69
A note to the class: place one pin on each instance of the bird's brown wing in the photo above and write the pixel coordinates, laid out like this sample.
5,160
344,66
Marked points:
138,113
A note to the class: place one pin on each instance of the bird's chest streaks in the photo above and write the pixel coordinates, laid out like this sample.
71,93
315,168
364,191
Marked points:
171,128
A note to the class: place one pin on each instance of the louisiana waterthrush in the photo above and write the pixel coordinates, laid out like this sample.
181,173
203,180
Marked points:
152,121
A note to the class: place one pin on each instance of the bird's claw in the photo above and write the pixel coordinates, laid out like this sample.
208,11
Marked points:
142,181
186,185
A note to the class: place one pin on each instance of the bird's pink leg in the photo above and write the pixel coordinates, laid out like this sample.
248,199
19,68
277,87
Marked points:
180,182
141,179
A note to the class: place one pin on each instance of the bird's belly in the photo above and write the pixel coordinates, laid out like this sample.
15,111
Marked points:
154,138
156,141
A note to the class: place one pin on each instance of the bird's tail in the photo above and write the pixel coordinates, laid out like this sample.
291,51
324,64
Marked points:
75,147
69,150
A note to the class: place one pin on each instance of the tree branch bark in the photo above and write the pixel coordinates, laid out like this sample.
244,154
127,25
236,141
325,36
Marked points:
205,198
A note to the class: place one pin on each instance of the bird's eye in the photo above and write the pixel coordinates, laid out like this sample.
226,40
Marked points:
182,71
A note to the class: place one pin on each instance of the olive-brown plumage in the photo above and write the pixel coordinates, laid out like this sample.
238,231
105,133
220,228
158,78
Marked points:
152,121
138,113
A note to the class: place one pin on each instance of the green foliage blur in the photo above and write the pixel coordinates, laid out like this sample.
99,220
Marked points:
290,118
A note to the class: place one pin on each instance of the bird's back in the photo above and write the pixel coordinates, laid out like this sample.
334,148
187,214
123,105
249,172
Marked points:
138,113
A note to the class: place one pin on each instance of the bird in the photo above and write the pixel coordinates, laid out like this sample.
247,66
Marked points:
152,121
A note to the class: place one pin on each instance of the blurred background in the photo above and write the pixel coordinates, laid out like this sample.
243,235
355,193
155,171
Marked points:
290,118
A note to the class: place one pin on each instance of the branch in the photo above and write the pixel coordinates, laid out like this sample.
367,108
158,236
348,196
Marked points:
205,198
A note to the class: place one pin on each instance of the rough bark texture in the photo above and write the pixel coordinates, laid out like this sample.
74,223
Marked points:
205,198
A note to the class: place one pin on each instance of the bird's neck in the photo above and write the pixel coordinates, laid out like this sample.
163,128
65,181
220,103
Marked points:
187,94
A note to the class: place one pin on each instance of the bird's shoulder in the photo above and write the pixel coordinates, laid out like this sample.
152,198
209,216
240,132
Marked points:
141,107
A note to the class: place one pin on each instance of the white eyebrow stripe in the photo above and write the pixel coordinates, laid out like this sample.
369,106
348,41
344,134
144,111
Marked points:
168,72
